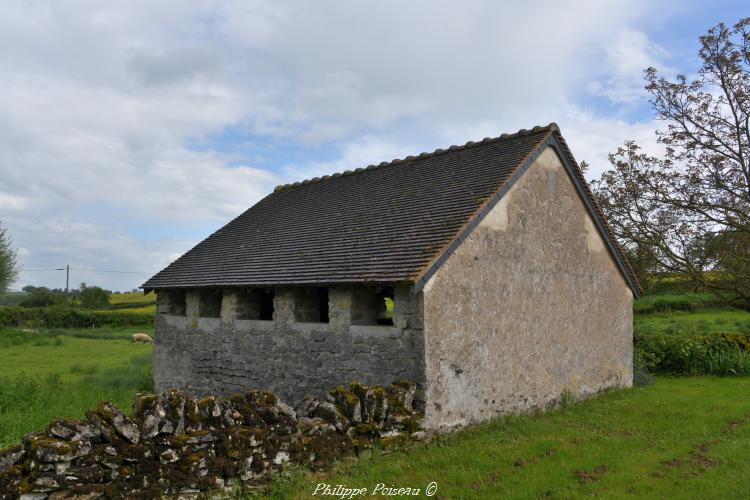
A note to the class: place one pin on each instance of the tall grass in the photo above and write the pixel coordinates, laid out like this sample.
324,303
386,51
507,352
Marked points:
29,403
691,355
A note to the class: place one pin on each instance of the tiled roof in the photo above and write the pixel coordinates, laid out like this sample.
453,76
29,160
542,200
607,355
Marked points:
385,223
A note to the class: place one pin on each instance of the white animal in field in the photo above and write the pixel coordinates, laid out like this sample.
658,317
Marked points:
29,330
140,337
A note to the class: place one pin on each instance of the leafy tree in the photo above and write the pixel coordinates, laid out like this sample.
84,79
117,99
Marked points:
689,212
43,297
8,264
93,297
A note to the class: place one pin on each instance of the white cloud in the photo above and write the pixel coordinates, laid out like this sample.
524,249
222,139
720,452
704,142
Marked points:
100,102
627,56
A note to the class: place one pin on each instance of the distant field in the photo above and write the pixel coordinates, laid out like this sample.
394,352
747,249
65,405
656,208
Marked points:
687,314
132,297
133,302
61,373
694,323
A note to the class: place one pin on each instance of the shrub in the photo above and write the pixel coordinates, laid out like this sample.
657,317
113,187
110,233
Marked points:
725,354
641,375
68,317
670,302
93,297
43,297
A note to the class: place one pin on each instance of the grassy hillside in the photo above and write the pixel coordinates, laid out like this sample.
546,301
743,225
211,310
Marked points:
679,438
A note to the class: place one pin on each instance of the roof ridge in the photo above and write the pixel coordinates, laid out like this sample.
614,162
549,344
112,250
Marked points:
551,127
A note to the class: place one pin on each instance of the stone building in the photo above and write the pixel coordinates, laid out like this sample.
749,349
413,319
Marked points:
484,272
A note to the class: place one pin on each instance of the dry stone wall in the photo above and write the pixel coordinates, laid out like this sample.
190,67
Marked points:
288,357
174,444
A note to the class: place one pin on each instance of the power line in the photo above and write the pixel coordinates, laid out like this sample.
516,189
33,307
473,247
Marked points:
83,269
106,271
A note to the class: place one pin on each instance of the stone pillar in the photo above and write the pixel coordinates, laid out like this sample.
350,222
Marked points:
406,308
229,305
283,305
162,302
192,305
339,309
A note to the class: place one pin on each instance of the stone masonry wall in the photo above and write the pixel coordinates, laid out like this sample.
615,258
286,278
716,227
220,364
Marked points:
292,359
530,305
176,446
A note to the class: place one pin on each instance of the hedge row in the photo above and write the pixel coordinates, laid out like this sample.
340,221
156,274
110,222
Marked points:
69,317
724,354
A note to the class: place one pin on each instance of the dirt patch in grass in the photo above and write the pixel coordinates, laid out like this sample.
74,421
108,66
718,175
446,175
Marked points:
591,476
732,425
674,463
522,462
698,458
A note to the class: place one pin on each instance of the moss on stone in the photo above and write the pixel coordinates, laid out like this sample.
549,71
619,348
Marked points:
104,411
262,397
11,449
207,402
61,447
187,462
369,429
411,424
404,384
192,414
378,390
343,394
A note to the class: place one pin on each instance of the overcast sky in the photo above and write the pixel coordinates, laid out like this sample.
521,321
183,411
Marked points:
129,133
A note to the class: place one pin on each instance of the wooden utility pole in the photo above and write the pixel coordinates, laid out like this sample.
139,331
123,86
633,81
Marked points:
67,278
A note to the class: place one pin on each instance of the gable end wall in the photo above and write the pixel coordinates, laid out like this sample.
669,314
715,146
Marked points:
531,304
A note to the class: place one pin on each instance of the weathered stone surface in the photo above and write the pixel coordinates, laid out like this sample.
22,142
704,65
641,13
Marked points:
73,430
326,411
288,357
10,456
50,450
248,437
530,304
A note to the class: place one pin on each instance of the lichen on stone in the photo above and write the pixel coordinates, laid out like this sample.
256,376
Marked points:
178,445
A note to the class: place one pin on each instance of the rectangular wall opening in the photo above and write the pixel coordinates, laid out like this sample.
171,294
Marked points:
311,305
176,304
372,306
209,305
255,303
266,304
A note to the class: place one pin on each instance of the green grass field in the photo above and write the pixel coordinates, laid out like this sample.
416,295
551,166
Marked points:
68,353
679,438
687,314
61,373
701,322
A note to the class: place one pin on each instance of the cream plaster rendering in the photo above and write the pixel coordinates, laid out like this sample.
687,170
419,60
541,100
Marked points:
530,305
